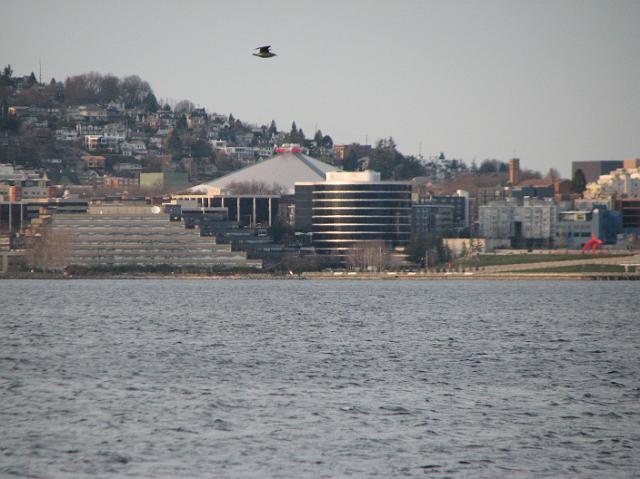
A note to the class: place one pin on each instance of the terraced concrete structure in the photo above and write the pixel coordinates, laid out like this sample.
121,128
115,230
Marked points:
114,235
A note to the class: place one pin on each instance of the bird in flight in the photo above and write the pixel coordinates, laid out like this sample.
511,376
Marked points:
264,52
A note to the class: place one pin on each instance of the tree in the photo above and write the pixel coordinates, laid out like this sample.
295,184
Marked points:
281,232
368,255
225,163
527,174
93,87
273,129
489,166
578,182
183,106
174,143
552,175
391,164
350,163
109,88
49,248
134,90
181,122
318,138
254,188
201,147
150,103
7,72
427,250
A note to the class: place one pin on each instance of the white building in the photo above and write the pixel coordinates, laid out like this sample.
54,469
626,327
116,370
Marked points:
66,134
621,183
133,148
533,220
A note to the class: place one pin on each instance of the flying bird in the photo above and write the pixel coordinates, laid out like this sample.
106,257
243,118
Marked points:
264,52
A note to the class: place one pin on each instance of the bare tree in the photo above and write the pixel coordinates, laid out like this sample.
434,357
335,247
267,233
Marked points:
552,175
50,248
368,255
134,90
527,174
184,106
254,188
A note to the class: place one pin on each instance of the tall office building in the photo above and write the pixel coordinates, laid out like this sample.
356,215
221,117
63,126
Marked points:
351,208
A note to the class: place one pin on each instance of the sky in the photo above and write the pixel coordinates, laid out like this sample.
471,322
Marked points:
549,81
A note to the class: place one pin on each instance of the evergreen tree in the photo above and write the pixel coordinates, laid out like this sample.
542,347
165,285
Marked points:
174,143
350,163
181,122
150,103
578,182
7,72
427,250
293,134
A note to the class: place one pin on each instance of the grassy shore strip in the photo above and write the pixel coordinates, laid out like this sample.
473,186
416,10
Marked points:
401,276
464,276
578,268
506,259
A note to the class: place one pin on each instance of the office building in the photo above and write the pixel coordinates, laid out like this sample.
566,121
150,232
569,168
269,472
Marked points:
593,169
351,208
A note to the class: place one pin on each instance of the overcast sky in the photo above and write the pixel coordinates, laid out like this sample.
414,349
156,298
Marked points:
553,81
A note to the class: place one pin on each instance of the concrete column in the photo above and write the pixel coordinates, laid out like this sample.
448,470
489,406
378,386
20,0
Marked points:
238,209
253,214
270,211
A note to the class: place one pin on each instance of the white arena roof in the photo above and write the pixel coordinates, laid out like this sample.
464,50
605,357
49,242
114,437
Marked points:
284,169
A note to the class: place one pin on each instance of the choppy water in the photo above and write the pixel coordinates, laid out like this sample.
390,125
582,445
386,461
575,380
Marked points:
319,379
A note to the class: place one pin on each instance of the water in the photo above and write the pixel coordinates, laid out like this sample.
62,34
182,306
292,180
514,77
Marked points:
294,379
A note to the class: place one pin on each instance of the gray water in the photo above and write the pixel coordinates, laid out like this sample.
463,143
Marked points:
295,379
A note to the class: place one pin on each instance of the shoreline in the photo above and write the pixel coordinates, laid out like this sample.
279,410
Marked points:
339,276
